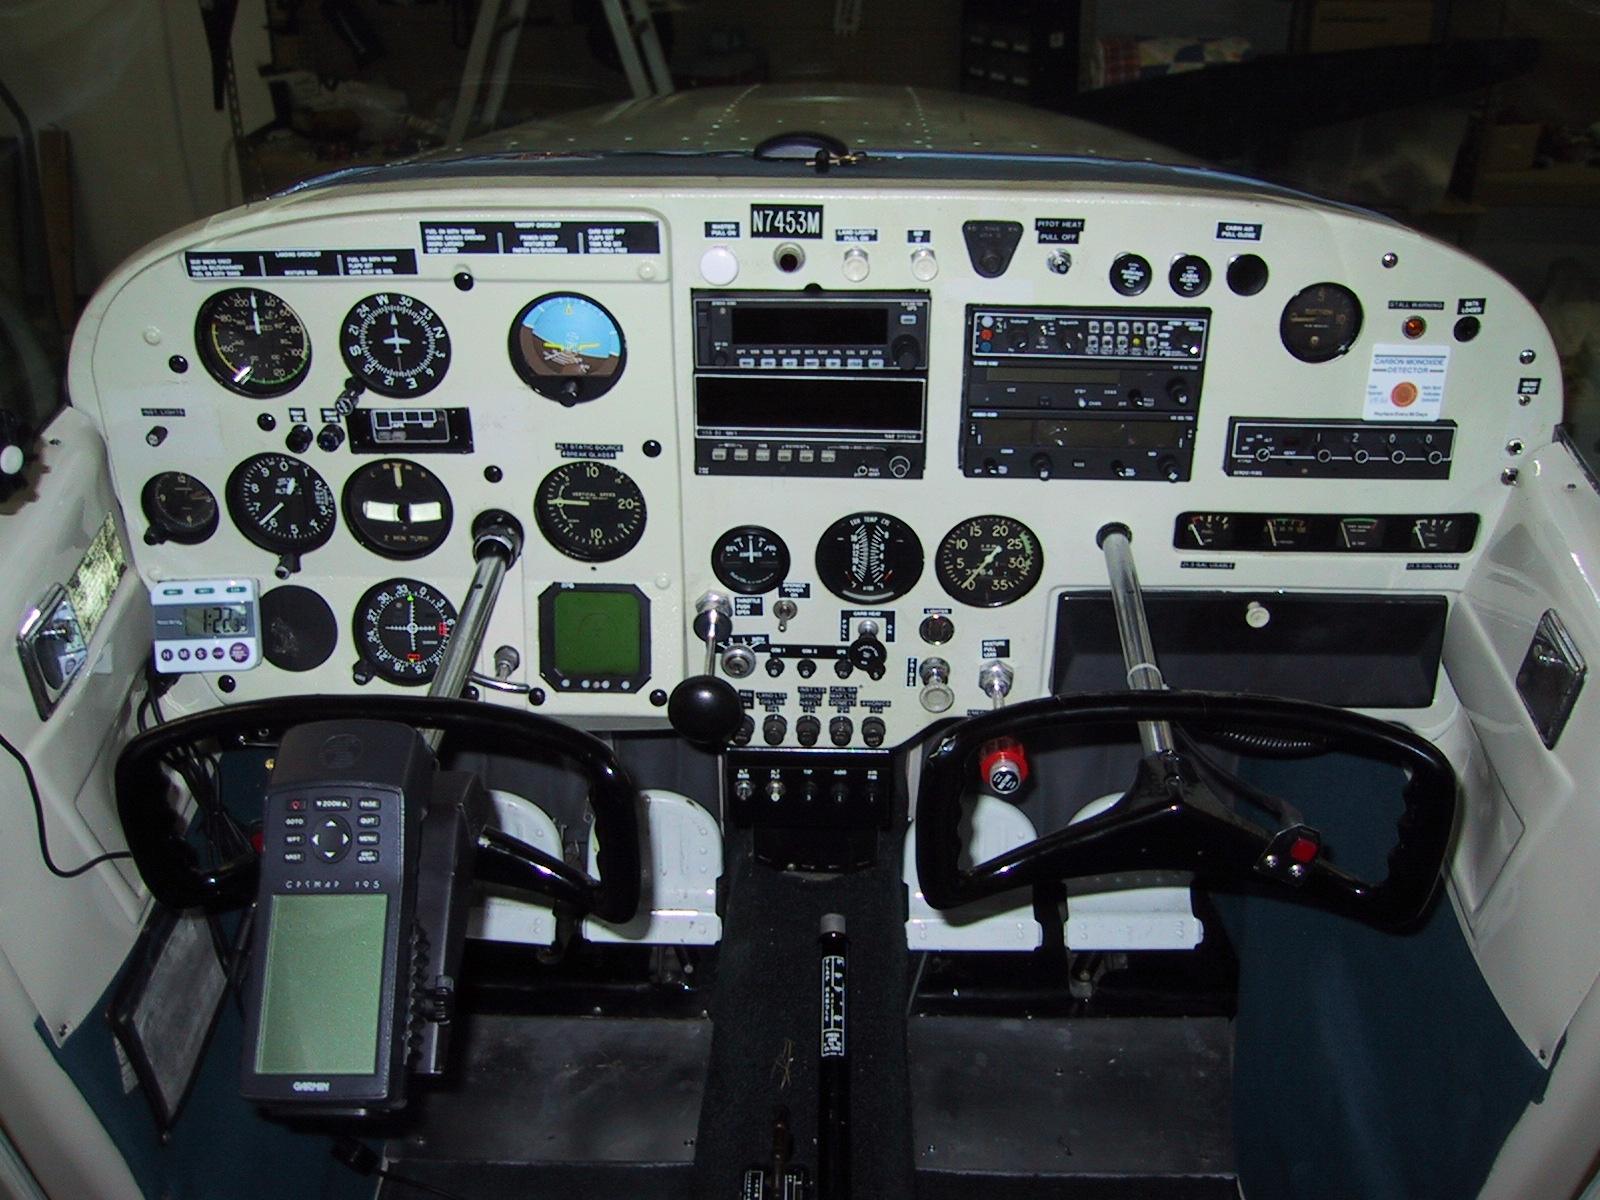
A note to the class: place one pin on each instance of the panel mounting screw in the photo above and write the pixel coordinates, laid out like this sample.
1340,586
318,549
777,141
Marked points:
1524,399
1527,356
1390,260
1510,476
1514,446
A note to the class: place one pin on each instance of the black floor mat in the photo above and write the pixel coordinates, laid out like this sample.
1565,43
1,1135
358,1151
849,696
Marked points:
764,1018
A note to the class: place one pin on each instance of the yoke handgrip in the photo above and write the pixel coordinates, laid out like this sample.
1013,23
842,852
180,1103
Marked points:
167,863
1174,828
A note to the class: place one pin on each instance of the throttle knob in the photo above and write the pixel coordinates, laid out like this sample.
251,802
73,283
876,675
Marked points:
706,710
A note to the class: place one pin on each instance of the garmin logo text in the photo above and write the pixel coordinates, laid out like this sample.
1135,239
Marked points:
310,1085
786,220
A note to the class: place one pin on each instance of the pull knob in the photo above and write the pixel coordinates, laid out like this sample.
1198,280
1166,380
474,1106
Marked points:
994,680
937,695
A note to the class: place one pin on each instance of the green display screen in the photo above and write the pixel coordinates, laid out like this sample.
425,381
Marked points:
324,984
597,633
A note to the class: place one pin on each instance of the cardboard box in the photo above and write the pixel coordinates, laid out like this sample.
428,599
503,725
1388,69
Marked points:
1362,24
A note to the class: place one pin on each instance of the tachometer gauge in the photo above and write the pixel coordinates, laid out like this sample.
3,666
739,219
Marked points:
395,344
1320,322
869,557
989,561
401,628
750,559
252,343
397,508
590,511
567,347
281,504
179,508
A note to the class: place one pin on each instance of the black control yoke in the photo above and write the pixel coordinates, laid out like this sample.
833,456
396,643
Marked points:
167,861
1177,815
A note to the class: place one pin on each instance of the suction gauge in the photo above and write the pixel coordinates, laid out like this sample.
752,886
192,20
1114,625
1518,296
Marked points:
1320,322
567,348
590,511
179,508
252,343
401,627
750,559
397,508
989,561
395,344
869,557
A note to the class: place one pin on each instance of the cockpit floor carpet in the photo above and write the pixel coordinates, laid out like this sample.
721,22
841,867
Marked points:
765,1015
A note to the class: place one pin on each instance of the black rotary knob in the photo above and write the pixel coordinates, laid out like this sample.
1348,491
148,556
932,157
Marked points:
907,352
298,440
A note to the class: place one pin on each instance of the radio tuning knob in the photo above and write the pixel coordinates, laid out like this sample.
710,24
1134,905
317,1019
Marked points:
1178,391
907,352
1042,466
1169,469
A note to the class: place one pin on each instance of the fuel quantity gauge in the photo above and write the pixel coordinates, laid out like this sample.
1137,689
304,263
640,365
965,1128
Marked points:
750,559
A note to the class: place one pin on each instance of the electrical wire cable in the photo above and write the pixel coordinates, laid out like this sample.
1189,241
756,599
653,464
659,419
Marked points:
39,823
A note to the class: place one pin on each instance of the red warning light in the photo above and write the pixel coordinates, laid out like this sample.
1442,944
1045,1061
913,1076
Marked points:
1414,327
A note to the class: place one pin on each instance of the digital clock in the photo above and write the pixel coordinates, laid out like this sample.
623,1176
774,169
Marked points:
205,625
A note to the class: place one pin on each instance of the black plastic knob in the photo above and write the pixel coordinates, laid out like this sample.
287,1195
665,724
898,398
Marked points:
807,730
840,730
1042,466
907,352
1178,391
298,440
773,729
868,654
330,438
705,710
